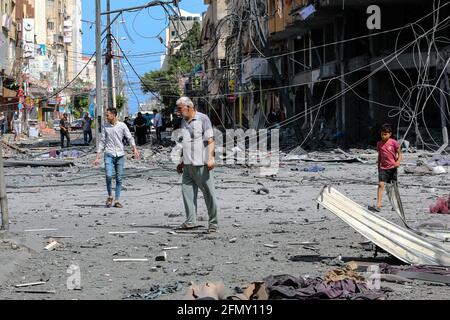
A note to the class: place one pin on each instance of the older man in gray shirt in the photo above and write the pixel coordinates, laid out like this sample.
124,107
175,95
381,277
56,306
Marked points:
198,163
111,143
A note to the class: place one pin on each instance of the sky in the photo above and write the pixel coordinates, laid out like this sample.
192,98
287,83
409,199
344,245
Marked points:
140,44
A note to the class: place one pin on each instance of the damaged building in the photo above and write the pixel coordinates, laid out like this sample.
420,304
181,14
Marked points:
335,70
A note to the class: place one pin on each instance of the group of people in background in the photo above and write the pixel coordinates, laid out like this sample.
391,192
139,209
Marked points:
143,124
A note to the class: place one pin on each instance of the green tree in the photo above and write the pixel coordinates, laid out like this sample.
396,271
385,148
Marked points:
164,83
120,102
81,105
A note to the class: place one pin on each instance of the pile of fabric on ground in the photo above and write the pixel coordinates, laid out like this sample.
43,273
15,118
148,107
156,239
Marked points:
442,206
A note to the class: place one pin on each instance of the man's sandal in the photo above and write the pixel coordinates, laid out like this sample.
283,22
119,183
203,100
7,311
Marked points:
109,202
186,226
212,229
117,205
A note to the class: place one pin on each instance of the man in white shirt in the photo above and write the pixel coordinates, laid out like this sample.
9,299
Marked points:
17,124
111,142
197,164
157,122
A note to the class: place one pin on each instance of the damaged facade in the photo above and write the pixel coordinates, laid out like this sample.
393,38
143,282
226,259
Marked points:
40,52
334,80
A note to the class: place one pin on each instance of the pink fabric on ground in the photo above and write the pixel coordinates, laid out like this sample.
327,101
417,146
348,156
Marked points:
441,206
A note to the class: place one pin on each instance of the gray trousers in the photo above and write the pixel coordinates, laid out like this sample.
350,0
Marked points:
194,178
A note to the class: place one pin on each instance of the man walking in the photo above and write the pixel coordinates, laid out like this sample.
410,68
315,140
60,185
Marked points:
64,126
87,129
158,123
111,143
17,125
197,164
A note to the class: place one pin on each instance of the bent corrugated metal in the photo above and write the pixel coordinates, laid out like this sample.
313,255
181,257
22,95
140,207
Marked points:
402,243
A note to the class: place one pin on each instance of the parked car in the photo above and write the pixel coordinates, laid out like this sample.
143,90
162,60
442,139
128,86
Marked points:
77,124
56,125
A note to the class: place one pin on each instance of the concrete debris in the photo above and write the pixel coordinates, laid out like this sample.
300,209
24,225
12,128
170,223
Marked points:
130,260
40,230
162,257
52,245
261,191
334,261
30,284
37,163
155,292
37,291
122,232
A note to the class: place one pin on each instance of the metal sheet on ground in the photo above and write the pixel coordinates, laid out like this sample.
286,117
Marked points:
398,241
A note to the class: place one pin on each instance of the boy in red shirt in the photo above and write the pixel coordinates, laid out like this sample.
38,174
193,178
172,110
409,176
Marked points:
389,158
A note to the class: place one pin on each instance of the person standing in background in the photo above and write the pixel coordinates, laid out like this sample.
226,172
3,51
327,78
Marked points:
64,126
2,123
158,123
87,129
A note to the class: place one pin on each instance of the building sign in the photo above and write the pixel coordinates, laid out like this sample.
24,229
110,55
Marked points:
28,38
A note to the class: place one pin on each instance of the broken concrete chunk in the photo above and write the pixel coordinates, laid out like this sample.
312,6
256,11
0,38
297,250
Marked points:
232,240
52,245
30,284
261,191
162,257
272,246
130,260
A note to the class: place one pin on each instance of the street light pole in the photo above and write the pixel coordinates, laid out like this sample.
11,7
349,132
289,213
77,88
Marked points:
98,73
3,199
109,55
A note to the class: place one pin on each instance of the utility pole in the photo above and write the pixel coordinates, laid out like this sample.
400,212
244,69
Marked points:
98,73
3,199
117,81
109,55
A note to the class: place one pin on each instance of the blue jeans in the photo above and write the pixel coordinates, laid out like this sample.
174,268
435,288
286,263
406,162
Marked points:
117,163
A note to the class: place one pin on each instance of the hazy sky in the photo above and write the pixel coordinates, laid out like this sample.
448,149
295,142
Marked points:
143,48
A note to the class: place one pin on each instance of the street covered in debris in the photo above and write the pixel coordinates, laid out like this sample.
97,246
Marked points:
274,150
266,233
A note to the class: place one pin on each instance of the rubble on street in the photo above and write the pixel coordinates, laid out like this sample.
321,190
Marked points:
135,253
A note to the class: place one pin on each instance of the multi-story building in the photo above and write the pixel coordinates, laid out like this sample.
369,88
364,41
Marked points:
214,34
88,74
339,69
179,27
56,43
73,38
7,36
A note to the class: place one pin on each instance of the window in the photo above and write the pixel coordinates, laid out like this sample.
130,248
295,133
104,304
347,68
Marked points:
50,3
174,33
50,25
189,18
